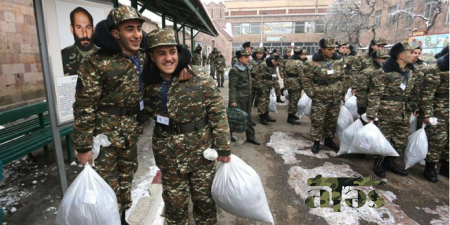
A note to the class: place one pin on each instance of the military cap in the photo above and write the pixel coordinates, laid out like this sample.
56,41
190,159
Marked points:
340,43
218,51
161,37
260,49
121,14
247,44
327,43
400,47
275,57
242,52
198,47
273,51
442,53
298,51
304,51
380,54
378,41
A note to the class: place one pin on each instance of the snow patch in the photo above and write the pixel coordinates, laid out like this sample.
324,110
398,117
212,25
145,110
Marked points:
159,218
442,212
141,189
289,146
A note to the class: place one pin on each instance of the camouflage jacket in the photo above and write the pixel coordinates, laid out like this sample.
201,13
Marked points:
293,73
317,83
71,58
362,83
420,64
211,58
188,102
234,60
197,59
264,74
107,78
220,63
282,63
366,61
352,66
435,83
393,83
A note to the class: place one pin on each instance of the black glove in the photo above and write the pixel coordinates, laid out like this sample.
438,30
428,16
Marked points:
362,110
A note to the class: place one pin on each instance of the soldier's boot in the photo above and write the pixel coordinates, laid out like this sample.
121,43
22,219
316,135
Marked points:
233,139
123,221
262,119
315,147
444,169
253,141
295,117
389,164
270,119
330,143
252,123
430,172
282,91
279,99
291,119
221,83
378,168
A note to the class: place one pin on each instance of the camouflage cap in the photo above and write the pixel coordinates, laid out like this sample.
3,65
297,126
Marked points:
381,54
287,49
161,37
305,51
260,49
340,43
298,50
400,47
378,41
327,43
121,14
242,52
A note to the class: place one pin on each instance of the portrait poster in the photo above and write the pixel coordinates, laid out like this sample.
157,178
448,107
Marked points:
69,27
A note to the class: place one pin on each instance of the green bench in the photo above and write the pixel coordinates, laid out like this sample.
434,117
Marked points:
26,130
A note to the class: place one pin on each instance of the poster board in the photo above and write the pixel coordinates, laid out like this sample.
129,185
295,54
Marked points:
68,44
431,45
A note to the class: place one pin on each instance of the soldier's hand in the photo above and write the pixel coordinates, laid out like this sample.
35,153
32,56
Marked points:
426,120
233,105
225,159
185,75
85,157
370,121
353,91
416,113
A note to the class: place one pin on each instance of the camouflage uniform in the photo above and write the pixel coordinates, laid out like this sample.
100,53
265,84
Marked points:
197,57
264,78
326,91
197,121
364,80
293,73
366,60
71,58
254,63
234,60
106,102
211,61
220,67
240,87
434,103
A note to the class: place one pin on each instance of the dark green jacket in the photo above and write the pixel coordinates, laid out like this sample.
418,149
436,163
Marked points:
240,87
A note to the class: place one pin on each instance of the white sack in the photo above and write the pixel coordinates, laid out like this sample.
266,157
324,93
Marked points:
370,140
345,119
417,148
348,135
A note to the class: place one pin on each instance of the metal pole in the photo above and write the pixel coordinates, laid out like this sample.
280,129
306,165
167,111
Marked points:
116,3
49,87
134,4
184,35
192,39
396,23
163,17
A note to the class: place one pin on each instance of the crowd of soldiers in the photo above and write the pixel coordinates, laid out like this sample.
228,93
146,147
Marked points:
389,84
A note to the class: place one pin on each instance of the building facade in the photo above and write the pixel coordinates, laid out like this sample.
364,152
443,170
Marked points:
277,24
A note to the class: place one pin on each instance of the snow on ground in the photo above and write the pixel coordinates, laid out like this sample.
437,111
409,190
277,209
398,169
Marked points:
442,212
141,189
289,146
159,219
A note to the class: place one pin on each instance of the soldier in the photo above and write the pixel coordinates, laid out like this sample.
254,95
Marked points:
197,57
265,73
108,98
364,79
275,79
434,103
322,82
220,67
391,101
418,63
211,61
189,118
352,64
304,55
258,57
293,71
82,27
283,60
375,44
240,90
248,46
204,59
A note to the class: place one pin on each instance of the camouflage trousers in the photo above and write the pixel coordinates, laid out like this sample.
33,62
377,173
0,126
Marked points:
276,86
220,79
178,187
395,133
213,70
437,141
294,96
324,115
117,167
263,98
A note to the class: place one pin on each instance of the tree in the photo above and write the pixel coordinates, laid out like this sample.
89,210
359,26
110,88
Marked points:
346,19
429,11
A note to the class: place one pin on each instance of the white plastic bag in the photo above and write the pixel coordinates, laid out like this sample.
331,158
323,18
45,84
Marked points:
352,106
417,148
349,94
88,201
210,154
273,101
370,140
348,135
286,94
238,190
304,106
345,119
97,141
412,124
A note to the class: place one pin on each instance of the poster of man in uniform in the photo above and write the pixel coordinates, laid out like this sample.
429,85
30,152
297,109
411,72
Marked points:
72,41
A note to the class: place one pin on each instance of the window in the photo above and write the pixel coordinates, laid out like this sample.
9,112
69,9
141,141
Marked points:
246,28
409,6
429,8
320,27
391,15
299,27
378,18
448,17
255,28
